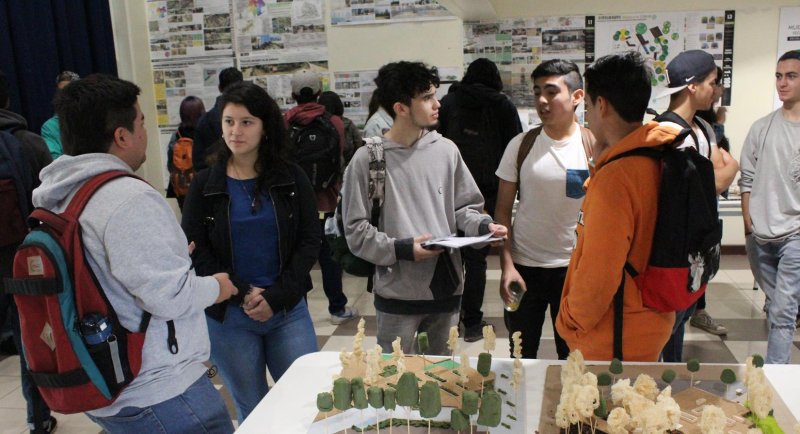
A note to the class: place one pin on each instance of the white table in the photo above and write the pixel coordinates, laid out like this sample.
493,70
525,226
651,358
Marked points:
290,406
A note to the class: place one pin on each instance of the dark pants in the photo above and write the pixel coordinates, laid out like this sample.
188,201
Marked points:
544,289
331,275
701,302
673,350
474,285
38,411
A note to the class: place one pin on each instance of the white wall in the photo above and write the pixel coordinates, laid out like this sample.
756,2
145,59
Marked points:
439,43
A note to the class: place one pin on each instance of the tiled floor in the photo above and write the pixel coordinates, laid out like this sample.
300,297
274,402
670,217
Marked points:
730,299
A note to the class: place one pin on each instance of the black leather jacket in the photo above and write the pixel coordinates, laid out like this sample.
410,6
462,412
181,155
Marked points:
206,221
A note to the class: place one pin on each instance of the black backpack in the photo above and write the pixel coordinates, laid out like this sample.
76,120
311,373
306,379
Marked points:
316,149
475,133
686,243
16,185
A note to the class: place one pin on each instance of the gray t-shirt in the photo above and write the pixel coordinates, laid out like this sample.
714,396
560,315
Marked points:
770,172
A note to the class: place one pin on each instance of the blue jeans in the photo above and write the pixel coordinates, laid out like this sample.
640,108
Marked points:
673,350
243,349
331,275
777,270
38,411
199,409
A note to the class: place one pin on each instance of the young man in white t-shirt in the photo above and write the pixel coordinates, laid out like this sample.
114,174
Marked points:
550,182
693,82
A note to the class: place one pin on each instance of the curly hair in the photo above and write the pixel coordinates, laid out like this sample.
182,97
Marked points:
402,81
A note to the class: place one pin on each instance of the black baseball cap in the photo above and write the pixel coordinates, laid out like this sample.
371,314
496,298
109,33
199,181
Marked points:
687,67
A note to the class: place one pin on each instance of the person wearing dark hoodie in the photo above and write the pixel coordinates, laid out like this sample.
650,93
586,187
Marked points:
428,190
306,88
480,120
140,257
352,136
36,156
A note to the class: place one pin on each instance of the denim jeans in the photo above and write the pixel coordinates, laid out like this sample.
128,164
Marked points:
199,409
673,350
243,349
331,275
38,411
436,325
544,290
777,266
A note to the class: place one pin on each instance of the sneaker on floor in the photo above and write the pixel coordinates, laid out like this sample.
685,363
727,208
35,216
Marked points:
474,333
49,428
703,321
345,315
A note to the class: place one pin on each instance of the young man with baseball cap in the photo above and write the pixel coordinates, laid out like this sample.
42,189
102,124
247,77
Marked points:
306,88
693,80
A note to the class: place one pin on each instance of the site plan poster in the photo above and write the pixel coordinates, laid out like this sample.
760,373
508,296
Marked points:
349,12
661,36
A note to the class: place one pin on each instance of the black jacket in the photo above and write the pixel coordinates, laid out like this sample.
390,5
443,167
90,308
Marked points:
207,134
206,221
500,124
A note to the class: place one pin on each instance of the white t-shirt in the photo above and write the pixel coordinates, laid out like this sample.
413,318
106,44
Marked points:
705,144
551,193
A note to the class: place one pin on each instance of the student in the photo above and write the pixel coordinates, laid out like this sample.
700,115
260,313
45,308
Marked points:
693,87
550,182
251,214
352,136
428,191
771,208
51,133
140,258
617,219
308,114
480,120
191,110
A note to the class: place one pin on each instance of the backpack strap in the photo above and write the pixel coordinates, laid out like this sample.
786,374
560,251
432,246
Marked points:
525,147
619,305
377,185
669,116
587,138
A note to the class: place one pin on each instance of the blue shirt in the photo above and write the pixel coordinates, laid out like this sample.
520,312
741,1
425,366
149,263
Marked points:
254,235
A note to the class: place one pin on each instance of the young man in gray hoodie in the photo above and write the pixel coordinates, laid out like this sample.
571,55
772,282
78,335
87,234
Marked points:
770,174
139,255
428,191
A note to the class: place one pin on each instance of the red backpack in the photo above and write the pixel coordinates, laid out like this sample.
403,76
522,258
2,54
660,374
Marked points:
79,355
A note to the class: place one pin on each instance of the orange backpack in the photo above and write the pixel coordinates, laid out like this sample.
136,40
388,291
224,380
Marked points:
182,171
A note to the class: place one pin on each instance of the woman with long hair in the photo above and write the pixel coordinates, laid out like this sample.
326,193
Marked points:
252,214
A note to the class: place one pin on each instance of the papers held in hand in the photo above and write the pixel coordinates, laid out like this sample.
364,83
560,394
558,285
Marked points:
455,242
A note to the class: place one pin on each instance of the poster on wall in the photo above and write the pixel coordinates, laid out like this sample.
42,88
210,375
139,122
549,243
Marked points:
661,36
276,78
350,12
281,31
187,29
517,46
175,80
788,35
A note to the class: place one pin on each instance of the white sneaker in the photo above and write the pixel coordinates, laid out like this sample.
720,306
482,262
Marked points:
345,315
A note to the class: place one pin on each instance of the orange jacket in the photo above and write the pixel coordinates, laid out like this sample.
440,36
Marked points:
615,225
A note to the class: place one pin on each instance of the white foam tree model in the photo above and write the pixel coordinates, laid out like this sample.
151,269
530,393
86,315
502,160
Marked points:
489,338
358,341
712,420
452,343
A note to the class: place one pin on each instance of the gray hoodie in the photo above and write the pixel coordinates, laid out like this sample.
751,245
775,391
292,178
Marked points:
138,252
428,190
